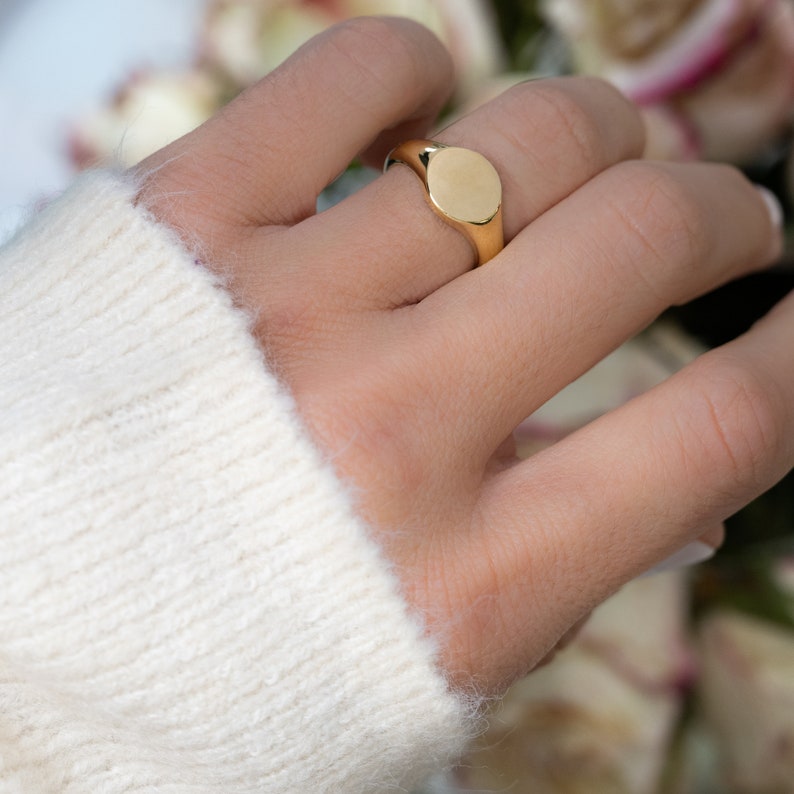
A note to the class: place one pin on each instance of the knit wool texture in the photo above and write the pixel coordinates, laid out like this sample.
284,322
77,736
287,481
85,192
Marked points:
187,601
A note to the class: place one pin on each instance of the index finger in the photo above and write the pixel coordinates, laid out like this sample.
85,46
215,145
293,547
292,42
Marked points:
269,153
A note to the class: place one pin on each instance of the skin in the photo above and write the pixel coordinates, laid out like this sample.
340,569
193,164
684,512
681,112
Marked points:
411,369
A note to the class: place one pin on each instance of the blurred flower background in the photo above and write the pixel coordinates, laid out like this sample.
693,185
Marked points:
683,683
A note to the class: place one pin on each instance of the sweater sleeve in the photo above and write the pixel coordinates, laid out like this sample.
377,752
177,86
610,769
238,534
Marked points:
187,601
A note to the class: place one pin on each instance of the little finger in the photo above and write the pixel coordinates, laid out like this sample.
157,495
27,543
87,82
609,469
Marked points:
575,522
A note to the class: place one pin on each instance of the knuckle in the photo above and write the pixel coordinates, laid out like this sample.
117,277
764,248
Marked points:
738,417
661,225
547,108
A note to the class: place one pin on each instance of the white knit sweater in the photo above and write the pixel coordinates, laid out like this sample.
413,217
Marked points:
187,603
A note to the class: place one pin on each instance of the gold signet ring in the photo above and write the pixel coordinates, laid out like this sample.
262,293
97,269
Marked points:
461,187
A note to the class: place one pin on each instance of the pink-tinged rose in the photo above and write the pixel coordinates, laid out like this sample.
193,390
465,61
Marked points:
722,69
598,718
245,39
747,696
749,103
148,112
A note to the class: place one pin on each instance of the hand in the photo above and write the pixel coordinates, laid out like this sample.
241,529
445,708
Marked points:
411,369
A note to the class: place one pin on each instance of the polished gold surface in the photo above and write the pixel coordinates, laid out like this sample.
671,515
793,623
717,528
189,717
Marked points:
463,185
462,188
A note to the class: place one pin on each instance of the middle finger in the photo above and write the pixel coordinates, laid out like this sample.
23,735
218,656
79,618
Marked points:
545,138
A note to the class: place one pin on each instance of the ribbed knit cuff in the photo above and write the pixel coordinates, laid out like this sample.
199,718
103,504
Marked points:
186,599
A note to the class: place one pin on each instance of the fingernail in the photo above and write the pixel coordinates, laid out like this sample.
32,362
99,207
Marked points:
691,554
773,205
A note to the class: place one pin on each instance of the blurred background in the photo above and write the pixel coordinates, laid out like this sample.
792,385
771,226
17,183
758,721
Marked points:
684,682
60,59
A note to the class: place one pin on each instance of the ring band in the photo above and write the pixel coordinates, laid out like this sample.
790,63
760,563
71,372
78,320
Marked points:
461,187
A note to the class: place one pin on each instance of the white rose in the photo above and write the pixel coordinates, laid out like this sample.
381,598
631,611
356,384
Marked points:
246,39
148,112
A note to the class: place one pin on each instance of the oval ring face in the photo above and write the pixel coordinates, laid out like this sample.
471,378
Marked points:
463,185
